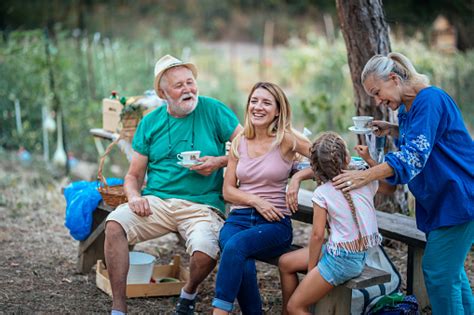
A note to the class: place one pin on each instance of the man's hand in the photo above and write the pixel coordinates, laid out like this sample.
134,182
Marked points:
209,165
140,206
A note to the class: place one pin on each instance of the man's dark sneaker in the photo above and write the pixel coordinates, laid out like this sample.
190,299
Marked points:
184,307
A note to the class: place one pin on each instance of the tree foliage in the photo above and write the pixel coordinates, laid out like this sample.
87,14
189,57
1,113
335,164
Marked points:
212,19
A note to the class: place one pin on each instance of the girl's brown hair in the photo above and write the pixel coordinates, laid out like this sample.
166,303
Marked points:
328,156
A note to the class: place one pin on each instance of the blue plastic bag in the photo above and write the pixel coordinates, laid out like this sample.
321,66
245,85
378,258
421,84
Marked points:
82,198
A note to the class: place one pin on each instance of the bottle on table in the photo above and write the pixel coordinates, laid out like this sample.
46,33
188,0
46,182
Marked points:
113,95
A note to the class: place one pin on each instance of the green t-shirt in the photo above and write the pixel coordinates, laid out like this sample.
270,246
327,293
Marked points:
161,137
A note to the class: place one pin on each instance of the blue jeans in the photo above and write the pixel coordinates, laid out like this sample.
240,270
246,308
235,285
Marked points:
443,267
247,236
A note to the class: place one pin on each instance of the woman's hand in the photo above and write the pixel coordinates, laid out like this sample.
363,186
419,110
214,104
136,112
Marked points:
294,187
267,210
140,206
384,128
349,180
292,194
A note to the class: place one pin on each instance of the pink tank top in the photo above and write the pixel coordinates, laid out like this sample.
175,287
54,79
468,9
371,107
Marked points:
265,176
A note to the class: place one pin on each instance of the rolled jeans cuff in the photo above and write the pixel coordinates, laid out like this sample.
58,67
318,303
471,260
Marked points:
223,305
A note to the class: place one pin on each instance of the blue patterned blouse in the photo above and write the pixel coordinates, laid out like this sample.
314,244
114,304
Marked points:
436,159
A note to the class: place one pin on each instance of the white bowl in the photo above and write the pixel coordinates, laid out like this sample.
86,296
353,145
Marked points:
141,268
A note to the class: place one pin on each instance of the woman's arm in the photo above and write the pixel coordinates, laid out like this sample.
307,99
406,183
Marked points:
317,235
294,187
349,180
384,187
234,195
301,146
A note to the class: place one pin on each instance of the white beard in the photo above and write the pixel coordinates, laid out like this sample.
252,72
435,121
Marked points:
178,109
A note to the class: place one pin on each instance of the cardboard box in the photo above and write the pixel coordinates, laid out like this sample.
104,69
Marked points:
173,270
111,110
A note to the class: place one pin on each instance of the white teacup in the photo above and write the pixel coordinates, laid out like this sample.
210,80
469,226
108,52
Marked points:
362,122
188,157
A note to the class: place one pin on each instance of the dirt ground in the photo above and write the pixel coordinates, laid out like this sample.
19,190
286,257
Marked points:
38,256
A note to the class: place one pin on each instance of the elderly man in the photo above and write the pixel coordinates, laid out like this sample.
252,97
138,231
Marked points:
175,199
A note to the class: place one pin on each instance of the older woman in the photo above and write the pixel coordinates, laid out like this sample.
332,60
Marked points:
259,224
436,159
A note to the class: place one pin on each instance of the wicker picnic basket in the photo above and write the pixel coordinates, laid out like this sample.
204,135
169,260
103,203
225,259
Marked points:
129,125
112,195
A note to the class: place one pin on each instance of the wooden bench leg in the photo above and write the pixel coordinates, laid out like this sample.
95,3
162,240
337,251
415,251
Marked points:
91,250
415,278
337,302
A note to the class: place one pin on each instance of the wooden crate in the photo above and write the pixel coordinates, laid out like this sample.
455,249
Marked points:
173,270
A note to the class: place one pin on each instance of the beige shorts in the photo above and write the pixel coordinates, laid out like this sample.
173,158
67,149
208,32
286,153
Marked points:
196,223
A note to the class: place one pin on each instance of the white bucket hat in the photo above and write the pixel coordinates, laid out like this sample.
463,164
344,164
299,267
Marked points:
166,62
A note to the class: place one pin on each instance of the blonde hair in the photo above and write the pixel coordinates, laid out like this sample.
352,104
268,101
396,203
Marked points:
280,125
382,66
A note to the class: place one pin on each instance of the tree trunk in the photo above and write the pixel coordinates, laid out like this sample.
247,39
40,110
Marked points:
366,33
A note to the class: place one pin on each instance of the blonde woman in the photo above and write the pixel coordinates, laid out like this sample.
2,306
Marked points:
259,224
436,159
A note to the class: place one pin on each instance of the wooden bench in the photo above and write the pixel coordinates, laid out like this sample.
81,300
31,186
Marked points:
339,300
392,226
92,248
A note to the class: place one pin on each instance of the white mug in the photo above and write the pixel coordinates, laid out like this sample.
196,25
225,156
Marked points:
362,122
188,157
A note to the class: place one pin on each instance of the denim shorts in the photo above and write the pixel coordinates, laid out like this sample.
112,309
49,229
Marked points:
339,269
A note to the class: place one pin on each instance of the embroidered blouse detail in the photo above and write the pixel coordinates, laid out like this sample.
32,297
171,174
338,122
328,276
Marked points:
415,154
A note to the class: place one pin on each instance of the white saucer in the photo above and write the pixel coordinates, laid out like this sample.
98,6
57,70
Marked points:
188,165
361,131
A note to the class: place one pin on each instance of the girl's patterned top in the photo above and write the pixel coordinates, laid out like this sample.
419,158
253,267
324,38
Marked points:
344,233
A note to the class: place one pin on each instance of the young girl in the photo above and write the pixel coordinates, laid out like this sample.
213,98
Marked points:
352,224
